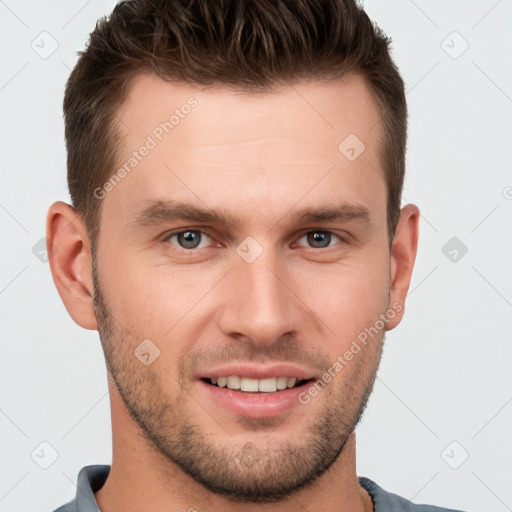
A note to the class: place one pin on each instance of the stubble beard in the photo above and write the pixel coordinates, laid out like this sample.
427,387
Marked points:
243,471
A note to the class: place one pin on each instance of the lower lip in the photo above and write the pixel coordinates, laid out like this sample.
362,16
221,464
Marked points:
256,405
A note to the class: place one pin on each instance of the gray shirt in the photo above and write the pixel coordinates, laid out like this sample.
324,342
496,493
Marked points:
92,478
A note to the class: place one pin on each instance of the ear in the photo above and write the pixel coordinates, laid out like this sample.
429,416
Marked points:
69,255
403,255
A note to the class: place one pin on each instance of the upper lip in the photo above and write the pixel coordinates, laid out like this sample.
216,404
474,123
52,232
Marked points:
257,372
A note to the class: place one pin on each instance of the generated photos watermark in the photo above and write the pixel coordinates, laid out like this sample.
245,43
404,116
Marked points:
152,141
355,347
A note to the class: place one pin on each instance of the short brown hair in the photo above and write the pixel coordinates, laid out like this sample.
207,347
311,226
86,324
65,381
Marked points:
250,45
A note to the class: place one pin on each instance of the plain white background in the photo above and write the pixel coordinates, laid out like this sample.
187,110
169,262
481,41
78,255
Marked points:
437,428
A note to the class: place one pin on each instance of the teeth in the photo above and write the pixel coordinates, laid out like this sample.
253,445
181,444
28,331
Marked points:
282,382
268,385
233,382
291,382
247,384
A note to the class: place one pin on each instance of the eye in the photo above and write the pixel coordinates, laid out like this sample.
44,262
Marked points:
188,238
319,239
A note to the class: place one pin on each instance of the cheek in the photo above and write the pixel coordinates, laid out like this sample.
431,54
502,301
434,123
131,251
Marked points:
349,300
154,300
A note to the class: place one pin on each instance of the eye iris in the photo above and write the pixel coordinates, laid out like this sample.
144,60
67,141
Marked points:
189,239
316,237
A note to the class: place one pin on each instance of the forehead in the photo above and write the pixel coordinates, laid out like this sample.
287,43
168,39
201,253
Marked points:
326,108
309,142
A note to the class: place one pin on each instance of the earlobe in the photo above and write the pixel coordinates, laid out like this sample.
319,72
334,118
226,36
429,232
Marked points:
70,260
403,256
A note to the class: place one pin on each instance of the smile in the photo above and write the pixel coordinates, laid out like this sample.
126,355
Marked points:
250,385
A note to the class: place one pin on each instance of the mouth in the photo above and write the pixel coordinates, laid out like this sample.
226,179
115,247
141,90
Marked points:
255,391
244,384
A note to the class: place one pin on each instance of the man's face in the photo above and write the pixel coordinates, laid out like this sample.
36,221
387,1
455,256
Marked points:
264,294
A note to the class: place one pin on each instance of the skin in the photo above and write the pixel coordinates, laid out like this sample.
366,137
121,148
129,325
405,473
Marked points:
260,157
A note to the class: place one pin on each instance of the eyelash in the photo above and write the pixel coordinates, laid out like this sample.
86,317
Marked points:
172,234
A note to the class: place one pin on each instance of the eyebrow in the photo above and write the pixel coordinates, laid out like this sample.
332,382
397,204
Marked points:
159,212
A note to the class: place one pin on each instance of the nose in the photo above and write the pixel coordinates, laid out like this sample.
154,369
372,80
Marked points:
259,302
